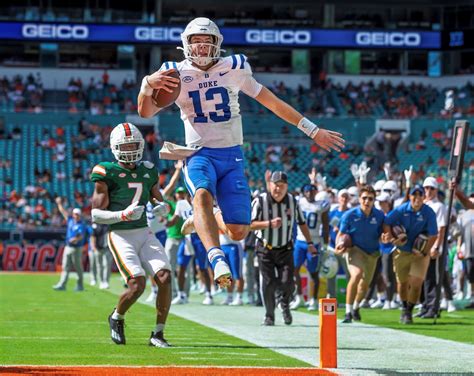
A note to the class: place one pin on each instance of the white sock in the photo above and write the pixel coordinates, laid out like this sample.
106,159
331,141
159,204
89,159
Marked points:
159,328
208,294
348,308
356,305
117,316
239,296
380,296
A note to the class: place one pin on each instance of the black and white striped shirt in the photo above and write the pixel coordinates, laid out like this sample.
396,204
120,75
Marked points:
265,208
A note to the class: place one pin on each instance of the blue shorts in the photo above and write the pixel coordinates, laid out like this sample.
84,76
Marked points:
200,253
234,254
301,254
221,172
161,236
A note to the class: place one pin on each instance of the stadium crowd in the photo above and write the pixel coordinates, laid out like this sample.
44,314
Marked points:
384,100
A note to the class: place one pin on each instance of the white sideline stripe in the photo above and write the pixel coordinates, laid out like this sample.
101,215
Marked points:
362,349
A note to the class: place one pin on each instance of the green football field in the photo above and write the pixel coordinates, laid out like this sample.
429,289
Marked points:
40,326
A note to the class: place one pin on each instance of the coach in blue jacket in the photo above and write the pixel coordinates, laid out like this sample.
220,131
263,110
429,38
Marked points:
364,224
76,238
410,264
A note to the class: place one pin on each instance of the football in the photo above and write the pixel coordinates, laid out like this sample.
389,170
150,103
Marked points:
400,233
345,240
419,244
161,98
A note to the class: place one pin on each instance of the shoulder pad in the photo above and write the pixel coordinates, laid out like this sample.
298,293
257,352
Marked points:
169,65
148,164
236,61
99,169
323,205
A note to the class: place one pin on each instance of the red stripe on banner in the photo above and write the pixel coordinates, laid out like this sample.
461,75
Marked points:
128,132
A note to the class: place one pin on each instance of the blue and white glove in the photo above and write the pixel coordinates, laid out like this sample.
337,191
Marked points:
363,172
321,181
408,173
355,171
161,209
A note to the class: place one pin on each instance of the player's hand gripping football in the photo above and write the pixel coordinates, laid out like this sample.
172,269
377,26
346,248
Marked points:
161,80
133,212
329,140
161,209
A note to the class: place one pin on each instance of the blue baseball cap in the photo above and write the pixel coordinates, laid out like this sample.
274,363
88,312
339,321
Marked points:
417,188
309,187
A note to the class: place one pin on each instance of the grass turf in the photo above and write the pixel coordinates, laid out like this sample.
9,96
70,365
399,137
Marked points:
41,326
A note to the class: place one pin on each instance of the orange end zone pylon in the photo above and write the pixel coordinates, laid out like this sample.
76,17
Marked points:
328,333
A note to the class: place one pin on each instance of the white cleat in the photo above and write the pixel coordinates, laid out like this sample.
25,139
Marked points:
104,285
451,306
188,226
386,305
394,305
222,274
152,297
179,300
237,302
297,303
312,306
93,282
208,300
444,304
377,304
227,300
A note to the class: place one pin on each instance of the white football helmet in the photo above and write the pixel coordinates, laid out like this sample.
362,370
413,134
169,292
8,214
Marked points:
329,266
203,26
391,188
127,143
379,184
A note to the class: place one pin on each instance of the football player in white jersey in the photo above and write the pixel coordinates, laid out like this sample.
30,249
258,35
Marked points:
190,245
209,105
317,219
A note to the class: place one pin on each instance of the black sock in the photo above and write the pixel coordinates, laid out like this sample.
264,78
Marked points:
404,304
410,306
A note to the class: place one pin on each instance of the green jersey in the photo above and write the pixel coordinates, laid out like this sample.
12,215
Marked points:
126,186
174,232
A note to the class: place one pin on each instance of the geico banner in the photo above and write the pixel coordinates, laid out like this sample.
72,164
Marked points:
34,257
171,34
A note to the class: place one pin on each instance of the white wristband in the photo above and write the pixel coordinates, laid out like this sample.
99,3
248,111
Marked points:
308,127
146,89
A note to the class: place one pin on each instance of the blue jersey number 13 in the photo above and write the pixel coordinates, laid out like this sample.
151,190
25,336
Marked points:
209,94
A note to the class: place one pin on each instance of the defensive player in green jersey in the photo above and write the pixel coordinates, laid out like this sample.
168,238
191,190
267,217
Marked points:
121,192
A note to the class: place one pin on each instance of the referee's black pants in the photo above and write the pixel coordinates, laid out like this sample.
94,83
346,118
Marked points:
433,276
276,274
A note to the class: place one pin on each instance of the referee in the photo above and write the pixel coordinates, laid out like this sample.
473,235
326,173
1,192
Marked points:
273,217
